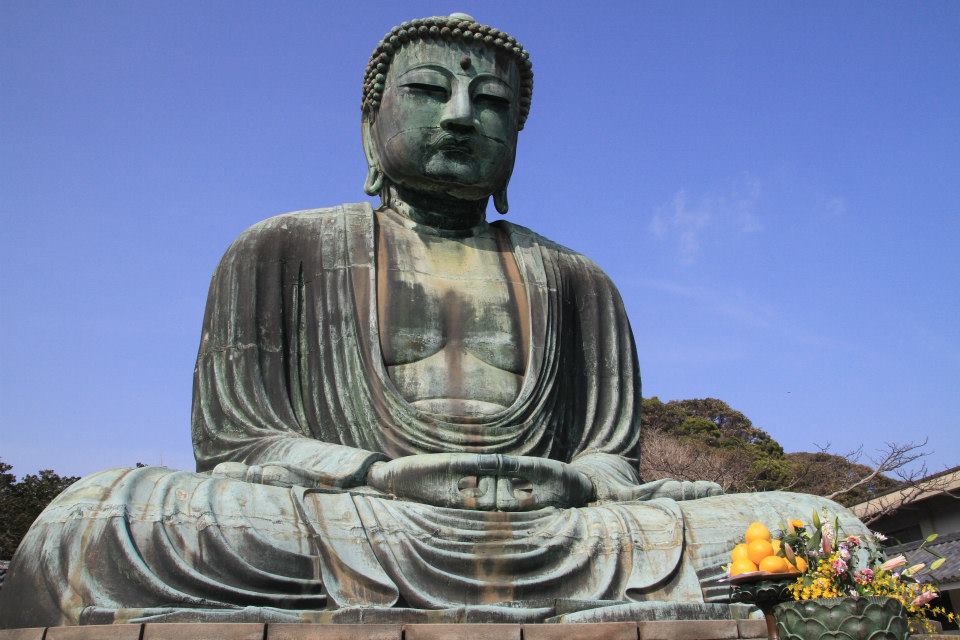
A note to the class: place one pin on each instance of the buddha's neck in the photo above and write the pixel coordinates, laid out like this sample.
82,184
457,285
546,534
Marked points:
441,213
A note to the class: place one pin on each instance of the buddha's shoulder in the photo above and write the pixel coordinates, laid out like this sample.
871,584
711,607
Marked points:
291,230
311,219
566,258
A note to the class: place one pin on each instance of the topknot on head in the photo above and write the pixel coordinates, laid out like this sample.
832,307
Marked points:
455,27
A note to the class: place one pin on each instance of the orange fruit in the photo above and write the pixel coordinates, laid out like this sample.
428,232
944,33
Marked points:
801,565
774,564
739,552
758,550
757,531
742,566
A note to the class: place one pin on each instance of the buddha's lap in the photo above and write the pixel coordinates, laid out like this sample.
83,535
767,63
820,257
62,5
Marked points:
237,542
288,517
292,518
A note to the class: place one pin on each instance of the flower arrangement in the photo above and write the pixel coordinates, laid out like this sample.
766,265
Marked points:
841,565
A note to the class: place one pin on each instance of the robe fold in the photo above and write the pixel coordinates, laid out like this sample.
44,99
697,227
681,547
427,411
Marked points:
290,368
290,373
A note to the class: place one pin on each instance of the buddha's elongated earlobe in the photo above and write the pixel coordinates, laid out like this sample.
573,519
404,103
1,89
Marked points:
500,201
374,182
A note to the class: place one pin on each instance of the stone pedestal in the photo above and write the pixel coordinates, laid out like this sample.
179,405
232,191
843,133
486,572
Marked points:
645,630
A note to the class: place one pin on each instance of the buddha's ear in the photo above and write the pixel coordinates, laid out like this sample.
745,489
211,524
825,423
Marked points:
374,182
500,199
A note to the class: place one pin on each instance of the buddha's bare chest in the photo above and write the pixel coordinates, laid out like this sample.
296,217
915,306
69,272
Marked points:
451,314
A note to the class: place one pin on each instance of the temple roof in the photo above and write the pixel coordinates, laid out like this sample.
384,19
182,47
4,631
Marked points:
946,546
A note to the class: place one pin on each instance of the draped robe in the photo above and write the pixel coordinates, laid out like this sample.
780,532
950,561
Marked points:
290,366
290,373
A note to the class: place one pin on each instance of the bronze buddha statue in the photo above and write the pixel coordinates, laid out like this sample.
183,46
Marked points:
404,412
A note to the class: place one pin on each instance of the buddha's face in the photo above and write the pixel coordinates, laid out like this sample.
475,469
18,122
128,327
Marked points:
448,119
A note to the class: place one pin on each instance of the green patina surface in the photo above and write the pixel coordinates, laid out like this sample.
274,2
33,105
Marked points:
403,414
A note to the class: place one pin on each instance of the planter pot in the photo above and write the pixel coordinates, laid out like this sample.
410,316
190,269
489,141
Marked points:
870,618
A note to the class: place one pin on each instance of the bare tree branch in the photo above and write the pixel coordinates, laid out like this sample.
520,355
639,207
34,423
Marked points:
893,459
664,456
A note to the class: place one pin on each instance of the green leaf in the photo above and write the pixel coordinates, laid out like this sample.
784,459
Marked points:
814,540
816,521
936,564
932,537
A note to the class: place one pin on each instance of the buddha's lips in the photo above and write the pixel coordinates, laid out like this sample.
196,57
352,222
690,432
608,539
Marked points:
453,143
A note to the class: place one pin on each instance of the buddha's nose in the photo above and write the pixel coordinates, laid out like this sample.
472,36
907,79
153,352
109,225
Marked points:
458,117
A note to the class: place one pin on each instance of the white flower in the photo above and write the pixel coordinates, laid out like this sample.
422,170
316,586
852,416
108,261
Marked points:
879,537
828,529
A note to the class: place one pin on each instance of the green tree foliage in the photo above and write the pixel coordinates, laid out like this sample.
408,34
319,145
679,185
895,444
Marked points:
709,437
710,420
712,423
21,502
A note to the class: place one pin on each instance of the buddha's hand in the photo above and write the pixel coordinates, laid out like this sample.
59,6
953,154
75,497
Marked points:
276,474
527,483
456,480
481,481
668,488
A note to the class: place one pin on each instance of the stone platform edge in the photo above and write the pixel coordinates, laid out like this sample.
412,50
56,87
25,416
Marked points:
644,630
656,630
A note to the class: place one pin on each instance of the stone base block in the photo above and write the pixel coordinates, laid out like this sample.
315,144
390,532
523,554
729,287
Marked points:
643,630
32,633
574,631
98,631
461,631
294,631
637,630
688,630
201,631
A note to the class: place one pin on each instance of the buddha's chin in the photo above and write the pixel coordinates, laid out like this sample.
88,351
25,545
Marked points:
449,187
457,174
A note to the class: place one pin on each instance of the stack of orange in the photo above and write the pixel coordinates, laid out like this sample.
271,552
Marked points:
760,553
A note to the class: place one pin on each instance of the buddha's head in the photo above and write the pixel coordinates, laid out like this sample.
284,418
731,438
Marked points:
443,101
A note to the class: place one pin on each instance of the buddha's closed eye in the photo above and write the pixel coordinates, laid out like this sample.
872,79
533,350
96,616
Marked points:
431,90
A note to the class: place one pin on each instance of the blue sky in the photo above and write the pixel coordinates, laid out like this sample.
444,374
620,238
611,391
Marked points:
773,186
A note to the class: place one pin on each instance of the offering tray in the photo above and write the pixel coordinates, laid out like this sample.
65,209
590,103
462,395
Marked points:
765,590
